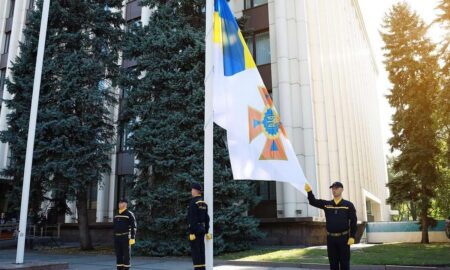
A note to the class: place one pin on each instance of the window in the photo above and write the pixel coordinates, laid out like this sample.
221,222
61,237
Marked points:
134,23
92,196
125,135
31,4
259,46
254,3
262,48
11,8
267,190
2,81
6,43
122,186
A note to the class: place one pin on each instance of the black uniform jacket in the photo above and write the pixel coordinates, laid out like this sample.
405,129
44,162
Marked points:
125,223
340,217
198,218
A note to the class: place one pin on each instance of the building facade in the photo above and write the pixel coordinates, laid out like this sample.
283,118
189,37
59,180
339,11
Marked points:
316,60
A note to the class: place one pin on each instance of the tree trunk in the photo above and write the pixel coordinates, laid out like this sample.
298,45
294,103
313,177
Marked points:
83,223
413,211
424,223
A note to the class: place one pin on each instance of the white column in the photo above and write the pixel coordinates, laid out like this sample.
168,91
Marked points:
71,218
305,104
285,95
19,16
112,189
321,132
102,199
145,15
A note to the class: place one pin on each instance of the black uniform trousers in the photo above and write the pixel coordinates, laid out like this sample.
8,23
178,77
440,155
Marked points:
122,247
338,252
198,251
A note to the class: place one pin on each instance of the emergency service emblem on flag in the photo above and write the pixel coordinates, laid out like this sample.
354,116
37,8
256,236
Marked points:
257,141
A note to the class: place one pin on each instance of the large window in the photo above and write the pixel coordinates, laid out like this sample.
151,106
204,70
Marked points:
11,8
259,46
267,190
92,196
122,186
6,43
254,3
2,81
125,135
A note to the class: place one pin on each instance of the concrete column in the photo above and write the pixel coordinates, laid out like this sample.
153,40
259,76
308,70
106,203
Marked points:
103,199
145,15
285,92
306,99
71,218
20,10
329,88
321,131
336,50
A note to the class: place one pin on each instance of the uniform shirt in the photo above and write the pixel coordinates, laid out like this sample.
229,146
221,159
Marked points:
340,217
125,223
198,218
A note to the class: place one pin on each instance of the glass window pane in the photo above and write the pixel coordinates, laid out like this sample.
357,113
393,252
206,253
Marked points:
247,4
259,2
272,191
264,190
262,48
249,41
6,44
11,8
2,79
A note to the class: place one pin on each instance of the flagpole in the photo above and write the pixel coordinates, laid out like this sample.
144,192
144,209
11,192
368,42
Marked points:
31,135
208,148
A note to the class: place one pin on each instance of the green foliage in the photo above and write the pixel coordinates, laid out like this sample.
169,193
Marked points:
443,199
164,110
412,66
74,134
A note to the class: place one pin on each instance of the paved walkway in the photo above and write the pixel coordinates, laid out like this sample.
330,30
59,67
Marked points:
107,262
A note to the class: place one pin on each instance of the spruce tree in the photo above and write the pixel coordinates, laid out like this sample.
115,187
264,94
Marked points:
164,110
412,66
75,132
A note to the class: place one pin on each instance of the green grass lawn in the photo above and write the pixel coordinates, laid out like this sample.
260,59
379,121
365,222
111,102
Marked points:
394,254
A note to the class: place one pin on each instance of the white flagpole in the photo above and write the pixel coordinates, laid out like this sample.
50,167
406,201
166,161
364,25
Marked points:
31,135
208,154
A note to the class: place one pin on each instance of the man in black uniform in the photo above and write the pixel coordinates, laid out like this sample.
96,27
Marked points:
341,225
124,234
198,220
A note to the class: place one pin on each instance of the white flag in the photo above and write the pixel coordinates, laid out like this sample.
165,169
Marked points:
257,142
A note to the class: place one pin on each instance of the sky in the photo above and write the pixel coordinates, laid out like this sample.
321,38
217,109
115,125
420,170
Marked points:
373,12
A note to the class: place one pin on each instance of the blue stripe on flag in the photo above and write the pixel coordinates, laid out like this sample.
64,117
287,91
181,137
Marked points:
233,49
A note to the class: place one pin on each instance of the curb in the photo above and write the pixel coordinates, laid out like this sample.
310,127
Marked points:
36,266
326,266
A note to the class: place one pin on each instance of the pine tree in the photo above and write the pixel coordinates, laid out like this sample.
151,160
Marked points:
443,200
75,132
412,67
164,111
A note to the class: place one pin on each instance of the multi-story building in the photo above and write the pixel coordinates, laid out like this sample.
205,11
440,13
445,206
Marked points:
315,58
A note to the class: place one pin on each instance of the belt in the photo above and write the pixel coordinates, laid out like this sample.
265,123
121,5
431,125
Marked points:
337,234
120,234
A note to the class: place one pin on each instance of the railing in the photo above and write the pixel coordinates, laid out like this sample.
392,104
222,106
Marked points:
9,231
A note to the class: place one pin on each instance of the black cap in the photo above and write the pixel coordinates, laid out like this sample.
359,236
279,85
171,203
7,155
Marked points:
123,200
337,184
196,186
